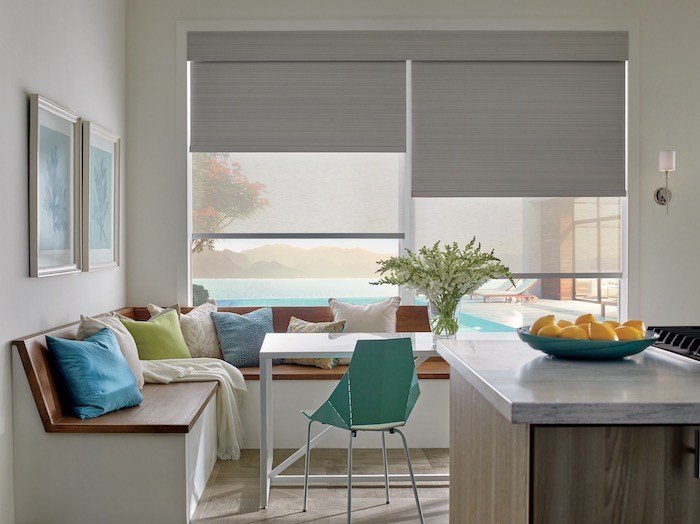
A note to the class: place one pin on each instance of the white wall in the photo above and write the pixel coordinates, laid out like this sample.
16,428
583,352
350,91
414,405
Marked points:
666,92
72,52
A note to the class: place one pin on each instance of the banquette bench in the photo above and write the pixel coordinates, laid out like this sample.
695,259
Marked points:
149,463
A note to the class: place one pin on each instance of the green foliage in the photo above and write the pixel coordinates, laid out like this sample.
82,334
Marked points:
443,276
200,295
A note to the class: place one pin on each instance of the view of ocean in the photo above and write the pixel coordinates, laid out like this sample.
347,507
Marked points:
314,292
292,291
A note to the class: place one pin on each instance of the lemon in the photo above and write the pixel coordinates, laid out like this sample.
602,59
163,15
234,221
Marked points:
598,331
585,326
573,332
550,330
612,324
628,333
637,324
564,323
540,323
588,318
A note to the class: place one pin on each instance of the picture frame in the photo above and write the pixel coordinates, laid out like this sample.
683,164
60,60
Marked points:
101,207
54,189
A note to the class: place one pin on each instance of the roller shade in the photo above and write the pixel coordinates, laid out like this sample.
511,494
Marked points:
258,46
539,129
297,106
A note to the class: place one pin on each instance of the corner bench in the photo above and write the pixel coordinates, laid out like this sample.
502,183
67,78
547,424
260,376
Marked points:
150,463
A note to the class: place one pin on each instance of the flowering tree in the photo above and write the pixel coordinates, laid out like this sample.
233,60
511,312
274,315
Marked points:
221,193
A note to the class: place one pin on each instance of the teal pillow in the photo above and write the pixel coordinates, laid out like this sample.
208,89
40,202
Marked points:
95,374
241,336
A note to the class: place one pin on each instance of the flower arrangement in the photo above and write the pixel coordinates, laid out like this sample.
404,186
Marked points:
443,275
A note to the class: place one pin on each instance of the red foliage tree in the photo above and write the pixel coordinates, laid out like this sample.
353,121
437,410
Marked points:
221,193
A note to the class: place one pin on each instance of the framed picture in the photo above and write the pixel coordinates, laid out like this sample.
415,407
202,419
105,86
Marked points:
100,198
54,189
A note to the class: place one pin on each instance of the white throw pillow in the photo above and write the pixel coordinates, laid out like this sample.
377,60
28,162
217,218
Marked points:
379,317
89,326
198,329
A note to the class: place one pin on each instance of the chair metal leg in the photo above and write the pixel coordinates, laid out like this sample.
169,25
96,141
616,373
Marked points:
306,464
352,434
386,468
410,472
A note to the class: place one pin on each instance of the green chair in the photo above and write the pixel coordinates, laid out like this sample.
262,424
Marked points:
377,393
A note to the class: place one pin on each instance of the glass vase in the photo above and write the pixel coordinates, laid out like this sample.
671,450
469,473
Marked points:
444,318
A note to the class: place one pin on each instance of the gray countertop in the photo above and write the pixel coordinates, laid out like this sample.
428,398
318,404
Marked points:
527,386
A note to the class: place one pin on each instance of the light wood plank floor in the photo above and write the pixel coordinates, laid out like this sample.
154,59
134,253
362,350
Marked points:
232,494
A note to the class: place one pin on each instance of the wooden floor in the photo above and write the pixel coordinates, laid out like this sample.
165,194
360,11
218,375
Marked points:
232,494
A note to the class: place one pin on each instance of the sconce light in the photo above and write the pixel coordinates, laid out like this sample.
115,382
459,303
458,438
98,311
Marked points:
667,163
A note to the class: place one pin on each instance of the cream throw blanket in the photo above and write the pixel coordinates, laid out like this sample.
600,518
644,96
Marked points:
229,426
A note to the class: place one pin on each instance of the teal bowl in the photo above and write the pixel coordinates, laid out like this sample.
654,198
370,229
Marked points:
585,349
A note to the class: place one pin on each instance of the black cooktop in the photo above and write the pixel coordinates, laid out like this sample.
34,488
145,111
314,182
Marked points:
683,340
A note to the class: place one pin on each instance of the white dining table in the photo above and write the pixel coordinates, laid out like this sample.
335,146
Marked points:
318,345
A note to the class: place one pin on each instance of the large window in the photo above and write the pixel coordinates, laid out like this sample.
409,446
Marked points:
319,153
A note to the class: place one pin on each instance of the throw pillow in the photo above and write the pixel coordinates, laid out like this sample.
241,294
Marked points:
297,325
127,344
198,329
95,374
158,338
241,336
379,317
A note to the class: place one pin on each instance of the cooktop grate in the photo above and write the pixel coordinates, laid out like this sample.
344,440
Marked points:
683,340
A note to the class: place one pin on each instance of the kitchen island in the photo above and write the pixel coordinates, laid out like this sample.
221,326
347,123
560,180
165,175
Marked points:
546,440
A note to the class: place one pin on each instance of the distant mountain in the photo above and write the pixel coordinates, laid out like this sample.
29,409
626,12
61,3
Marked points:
284,261
264,269
219,264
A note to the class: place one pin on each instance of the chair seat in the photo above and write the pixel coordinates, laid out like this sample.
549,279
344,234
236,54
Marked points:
308,413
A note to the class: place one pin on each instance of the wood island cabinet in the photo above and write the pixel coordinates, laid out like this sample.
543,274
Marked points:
503,472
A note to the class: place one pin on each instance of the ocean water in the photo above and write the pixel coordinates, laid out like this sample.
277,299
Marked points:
315,292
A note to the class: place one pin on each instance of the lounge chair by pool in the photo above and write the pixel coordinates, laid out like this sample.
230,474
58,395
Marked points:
502,285
519,292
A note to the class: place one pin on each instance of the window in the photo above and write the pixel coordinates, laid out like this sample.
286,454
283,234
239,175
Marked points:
299,162
570,246
293,228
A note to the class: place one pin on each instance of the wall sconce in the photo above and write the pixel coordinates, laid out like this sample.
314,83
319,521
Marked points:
667,163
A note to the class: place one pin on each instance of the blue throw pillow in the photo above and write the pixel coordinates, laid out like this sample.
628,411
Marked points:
241,336
95,374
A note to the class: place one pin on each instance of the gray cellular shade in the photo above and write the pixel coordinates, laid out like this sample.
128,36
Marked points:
298,106
518,129
242,46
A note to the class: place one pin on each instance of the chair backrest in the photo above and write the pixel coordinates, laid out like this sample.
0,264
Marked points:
382,382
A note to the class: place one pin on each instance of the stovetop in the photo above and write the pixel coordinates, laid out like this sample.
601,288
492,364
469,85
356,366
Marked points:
682,340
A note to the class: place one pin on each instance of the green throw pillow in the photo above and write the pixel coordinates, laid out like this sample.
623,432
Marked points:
159,338
297,325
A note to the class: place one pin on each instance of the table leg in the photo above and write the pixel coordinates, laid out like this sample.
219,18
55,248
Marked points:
266,444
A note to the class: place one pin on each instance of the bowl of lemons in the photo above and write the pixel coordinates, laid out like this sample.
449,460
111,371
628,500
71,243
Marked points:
586,338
